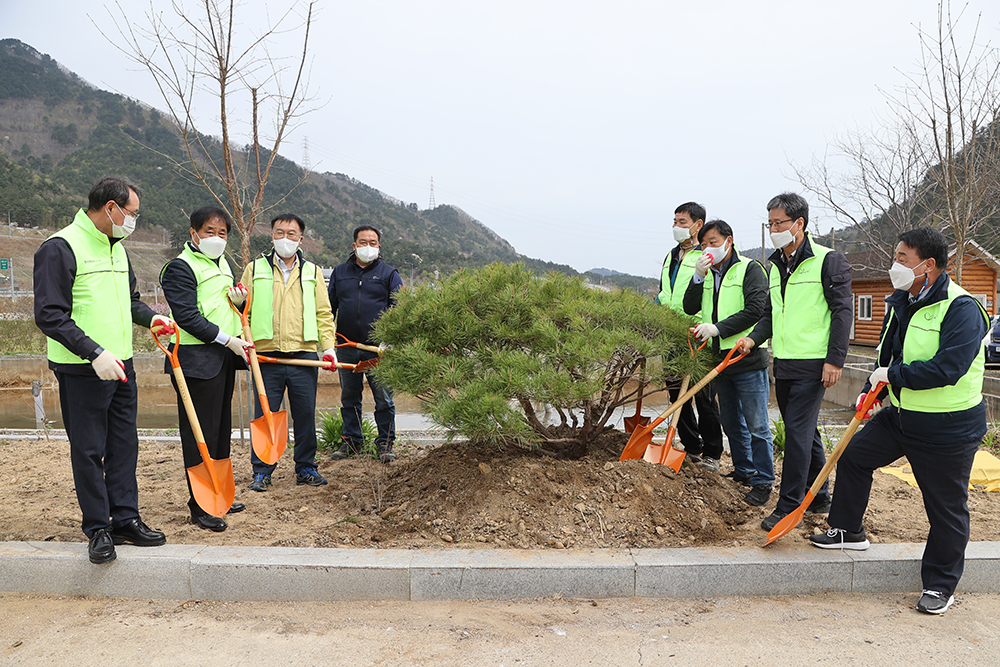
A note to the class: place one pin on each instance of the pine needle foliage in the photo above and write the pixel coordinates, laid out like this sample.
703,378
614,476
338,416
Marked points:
505,357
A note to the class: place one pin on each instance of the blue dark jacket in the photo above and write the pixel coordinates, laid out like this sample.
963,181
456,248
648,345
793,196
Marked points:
358,296
962,332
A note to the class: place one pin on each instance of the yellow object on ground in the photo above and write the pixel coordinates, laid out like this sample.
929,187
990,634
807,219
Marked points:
985,472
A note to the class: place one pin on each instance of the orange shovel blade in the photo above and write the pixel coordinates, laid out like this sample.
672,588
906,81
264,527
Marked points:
674,458
269,439
654,453
214,501
635,447
635,421
366,365
791,520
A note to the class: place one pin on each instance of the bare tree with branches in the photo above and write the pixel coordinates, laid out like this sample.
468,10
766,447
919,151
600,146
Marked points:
198,56
882,191
936,159
954,100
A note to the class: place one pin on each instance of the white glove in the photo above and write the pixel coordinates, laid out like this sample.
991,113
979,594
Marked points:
705,331
239,346
109,367
876,406
881,374
703,264
167,325
238,294
330,354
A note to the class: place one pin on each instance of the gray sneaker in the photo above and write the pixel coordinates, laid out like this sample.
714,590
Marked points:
710,464
933,602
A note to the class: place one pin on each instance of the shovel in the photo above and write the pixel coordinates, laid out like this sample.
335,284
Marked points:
637,420
212,483
665,454
641,437
361,367
793,518
368,348
269,432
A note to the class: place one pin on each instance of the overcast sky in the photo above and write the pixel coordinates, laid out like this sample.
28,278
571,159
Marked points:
574,128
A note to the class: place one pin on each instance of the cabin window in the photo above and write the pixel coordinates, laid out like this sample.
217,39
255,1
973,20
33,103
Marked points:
864,307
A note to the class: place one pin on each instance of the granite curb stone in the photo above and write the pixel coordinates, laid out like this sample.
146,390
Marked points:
285,573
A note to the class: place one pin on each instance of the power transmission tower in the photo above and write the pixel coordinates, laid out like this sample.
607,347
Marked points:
430,204
306,164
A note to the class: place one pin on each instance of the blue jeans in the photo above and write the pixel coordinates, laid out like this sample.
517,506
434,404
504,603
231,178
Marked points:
351,385
300,381
743,409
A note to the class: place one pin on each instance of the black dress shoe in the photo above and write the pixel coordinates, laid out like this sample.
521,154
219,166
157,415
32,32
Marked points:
209,522
137,533
237,507
101,549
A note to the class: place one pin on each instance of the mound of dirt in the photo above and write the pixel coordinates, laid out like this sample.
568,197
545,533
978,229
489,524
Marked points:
451,495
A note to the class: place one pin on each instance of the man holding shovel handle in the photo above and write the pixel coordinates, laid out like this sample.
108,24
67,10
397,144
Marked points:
290,319
931,356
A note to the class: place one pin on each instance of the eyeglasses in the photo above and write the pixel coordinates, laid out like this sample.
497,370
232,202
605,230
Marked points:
774,224
134,214
282,234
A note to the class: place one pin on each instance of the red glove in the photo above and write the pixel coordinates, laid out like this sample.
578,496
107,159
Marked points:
330,355
166,325
876,406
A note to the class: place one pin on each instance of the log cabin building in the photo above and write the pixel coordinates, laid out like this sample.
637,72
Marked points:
870,286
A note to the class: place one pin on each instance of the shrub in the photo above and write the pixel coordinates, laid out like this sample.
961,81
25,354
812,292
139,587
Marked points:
331,430
487,350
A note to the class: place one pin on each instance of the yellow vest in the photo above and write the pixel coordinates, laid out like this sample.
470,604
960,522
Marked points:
102,300
800,329
730,299
674,296
923,337
214,280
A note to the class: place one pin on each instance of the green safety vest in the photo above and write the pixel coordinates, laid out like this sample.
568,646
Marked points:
804,331
923,335
214,280
262,309
730,299
674,296
102,300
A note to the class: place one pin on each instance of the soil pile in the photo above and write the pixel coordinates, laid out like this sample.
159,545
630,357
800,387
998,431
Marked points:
451,495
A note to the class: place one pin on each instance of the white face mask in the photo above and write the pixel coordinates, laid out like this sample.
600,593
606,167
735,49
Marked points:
366,253
285,247
780,239
210,246
902,277
717,254
682,234
127,226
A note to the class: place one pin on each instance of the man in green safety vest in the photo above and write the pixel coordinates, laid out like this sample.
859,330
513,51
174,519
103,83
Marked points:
931,356
290,317
86,302
809,324
701,435
730,292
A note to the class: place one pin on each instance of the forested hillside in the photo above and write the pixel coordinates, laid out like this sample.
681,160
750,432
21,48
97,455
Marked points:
59,133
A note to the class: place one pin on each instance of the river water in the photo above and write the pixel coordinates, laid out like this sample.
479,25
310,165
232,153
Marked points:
158,408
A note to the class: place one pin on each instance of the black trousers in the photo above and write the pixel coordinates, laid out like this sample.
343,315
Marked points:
701,434
99,416
799,402
213,400
942,471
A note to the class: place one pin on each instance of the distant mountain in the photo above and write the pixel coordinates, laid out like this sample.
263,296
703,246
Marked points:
606,272
58,134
